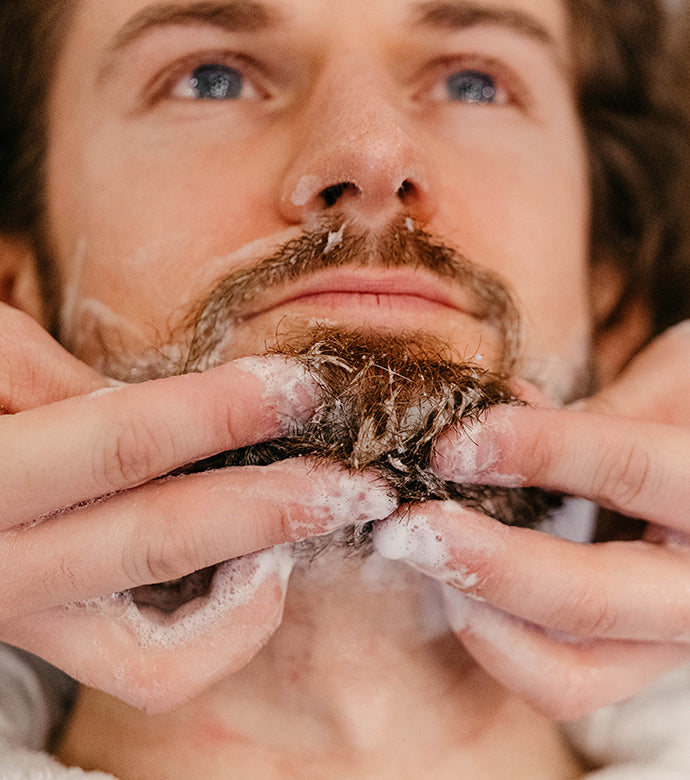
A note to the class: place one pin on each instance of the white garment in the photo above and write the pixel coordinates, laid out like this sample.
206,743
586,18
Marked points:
644,738
33,701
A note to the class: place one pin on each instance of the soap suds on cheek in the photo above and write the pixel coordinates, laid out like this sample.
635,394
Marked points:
235,585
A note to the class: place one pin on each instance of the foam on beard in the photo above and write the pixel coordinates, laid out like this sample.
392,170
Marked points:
385,402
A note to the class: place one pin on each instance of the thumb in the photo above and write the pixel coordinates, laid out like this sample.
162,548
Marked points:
34,369
655,385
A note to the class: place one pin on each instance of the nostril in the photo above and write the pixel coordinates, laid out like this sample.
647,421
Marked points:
331,195
406,189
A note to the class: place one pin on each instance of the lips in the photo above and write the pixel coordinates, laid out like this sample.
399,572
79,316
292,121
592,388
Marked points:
395,290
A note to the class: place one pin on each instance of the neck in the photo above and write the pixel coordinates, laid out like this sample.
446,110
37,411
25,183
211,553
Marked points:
363,679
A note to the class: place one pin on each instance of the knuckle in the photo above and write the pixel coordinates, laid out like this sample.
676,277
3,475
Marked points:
132,453
16,371
589,615
167,552
537,458
623,475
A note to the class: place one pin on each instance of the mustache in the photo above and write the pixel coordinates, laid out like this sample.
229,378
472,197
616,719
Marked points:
335,244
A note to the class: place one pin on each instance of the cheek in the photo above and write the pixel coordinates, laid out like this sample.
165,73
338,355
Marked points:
523,212
144,232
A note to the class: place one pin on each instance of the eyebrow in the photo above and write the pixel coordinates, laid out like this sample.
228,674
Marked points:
234,16
456,15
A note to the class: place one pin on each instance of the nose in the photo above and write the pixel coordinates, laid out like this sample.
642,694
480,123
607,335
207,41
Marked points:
357,155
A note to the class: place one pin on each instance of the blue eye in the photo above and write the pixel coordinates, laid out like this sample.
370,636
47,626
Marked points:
216,82
471,86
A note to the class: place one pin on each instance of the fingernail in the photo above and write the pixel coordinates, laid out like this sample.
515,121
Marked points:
466,612
288,387
415,542
353,499
458,456
362,498
458,608
471,454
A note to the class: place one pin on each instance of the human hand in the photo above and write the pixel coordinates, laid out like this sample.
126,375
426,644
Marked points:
82,514
570,627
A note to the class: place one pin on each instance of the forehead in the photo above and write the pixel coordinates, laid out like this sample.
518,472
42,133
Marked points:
112,23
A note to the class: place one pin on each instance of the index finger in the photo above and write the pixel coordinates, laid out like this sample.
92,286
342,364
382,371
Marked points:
87,447
637,468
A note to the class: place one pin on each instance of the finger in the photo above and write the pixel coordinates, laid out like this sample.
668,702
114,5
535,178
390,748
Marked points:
34,369
637,468
83,448
626,591
655,385
165,530
559,676
156,664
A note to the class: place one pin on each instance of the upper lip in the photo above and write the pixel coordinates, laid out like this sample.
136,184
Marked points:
389,282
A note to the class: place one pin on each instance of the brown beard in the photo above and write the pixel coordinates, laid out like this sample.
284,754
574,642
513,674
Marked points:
385,402
385,399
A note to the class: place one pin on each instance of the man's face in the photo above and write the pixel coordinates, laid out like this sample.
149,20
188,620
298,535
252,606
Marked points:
190,140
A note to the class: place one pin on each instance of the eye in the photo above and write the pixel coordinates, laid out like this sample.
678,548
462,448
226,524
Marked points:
214,81
472,86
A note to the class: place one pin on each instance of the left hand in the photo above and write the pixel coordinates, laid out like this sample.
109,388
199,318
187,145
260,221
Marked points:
571,627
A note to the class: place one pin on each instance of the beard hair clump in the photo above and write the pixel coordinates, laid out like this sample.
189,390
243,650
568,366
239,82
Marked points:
385,401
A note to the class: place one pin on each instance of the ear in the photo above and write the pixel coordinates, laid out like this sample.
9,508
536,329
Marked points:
19,285
615,343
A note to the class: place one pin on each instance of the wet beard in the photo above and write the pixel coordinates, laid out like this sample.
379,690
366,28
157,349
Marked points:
385,401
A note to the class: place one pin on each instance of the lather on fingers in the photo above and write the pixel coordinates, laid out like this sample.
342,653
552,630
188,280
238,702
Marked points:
171,528
112,441
637,468
587,591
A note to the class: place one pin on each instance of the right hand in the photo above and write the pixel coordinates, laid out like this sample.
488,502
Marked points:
82,514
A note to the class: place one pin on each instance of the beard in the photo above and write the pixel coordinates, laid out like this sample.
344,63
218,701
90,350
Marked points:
385,401
385,398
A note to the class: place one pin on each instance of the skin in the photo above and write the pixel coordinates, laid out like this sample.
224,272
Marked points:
331,97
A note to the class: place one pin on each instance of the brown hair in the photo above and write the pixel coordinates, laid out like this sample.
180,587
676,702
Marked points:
638,136
638,141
